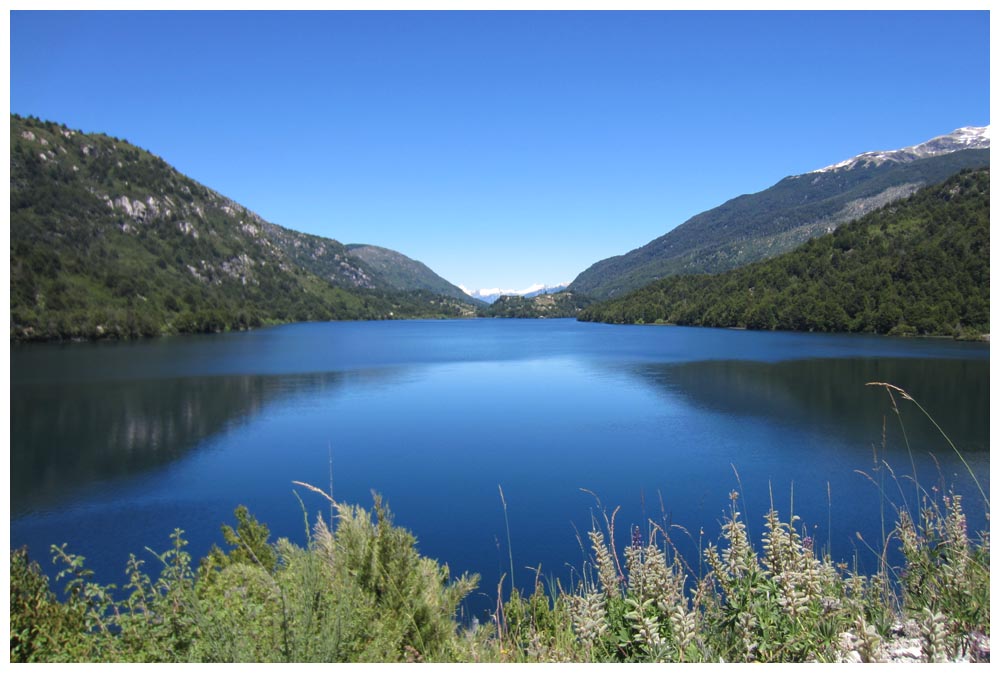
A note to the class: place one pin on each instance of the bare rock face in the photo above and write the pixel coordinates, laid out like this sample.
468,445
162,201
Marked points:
188,229
153,207
240,268
142,212
136,210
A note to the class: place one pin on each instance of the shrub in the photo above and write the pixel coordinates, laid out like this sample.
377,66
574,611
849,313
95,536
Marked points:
361,592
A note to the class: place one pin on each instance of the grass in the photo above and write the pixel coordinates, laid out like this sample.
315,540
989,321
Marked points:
359,591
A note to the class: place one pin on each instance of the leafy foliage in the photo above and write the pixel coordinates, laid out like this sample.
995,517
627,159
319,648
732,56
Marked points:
946,573
108,241
358,593
41,628
920,266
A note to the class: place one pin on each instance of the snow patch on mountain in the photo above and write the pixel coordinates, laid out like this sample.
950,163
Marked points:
491,294
965,138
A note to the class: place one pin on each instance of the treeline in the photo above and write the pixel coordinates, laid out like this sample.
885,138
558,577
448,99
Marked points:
920,266
162,314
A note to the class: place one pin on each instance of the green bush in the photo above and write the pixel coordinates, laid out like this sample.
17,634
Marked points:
361,592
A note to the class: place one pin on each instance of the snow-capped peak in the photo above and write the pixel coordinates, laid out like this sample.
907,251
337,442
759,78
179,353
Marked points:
491,294
965,138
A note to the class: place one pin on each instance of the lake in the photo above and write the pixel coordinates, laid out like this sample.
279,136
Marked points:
113,445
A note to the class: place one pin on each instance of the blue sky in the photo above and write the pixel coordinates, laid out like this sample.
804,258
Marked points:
501,149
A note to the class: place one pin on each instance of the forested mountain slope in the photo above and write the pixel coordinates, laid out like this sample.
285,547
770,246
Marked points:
108,240
752,227
919,266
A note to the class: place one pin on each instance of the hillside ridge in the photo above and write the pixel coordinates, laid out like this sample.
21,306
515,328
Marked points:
757,226
109,241
917,266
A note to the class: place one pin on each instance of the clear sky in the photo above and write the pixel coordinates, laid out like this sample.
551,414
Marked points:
501,149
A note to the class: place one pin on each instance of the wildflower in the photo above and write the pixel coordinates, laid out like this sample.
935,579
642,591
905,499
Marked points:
610,579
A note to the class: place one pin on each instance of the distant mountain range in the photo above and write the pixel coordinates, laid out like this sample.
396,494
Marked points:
757,226
490,295
108,240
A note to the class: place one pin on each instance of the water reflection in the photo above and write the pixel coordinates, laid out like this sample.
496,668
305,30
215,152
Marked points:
829,397
71,437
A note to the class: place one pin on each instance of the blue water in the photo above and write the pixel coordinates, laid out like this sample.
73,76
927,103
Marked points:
113,445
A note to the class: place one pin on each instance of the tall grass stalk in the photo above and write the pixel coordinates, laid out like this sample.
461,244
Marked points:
510,550
906,442
906,396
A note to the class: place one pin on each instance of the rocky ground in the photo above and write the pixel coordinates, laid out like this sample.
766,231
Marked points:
908,645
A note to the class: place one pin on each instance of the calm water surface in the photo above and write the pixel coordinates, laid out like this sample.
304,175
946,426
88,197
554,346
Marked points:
115,445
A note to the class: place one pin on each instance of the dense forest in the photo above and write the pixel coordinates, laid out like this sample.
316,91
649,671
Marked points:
919,266
108,241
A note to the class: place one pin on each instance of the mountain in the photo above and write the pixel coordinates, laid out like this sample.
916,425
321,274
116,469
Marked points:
108,240
490,295
965,138
918,266
757,226
396,270
546,289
